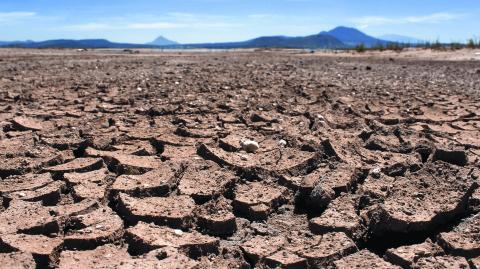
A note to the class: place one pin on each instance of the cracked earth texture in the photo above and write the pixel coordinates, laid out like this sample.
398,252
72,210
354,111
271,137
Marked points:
117,160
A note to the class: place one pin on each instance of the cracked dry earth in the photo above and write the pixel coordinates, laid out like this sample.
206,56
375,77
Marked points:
113,160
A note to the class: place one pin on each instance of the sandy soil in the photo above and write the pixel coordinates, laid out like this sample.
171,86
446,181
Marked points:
239,159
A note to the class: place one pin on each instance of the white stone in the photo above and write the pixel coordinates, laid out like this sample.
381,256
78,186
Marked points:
250,146
376,172
282,143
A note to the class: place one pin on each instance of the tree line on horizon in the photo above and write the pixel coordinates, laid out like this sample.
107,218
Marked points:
472,43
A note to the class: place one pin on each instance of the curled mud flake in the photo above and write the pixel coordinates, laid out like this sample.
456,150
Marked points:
174,211
45,250
441,262
420,202
257,200
18,260
364,259
144,237
406,256
25,124
77,165
340,216
157,182
98,227
463,240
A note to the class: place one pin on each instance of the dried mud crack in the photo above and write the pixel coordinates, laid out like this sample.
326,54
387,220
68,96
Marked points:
273,159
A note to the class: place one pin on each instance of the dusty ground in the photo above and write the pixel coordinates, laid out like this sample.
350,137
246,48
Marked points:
119,160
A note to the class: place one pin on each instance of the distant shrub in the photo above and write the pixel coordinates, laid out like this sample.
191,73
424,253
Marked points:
379,47
456,46
360,48
471,43
395,47
437,45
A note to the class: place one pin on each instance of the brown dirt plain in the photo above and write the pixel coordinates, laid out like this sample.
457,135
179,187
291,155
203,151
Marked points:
118,159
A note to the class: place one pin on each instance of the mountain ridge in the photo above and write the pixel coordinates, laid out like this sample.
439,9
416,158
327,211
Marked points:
352,37
162,41
401,39
72,43
337,38
299,42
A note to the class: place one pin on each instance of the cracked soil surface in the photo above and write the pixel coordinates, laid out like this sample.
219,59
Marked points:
116,160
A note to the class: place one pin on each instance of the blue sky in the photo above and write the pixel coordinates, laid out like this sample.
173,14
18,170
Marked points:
190,21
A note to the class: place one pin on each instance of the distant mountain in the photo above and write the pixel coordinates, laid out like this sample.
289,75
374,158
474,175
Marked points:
311,42
6,43
401,39
337,38
300,42
162,41
353,37
70,43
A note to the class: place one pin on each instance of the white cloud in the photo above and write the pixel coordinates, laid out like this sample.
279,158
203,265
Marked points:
14,16
263,16
150,22
88,26
155,25
364,22
434,18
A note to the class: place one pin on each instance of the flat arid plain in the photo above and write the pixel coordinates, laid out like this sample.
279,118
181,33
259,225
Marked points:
239,159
